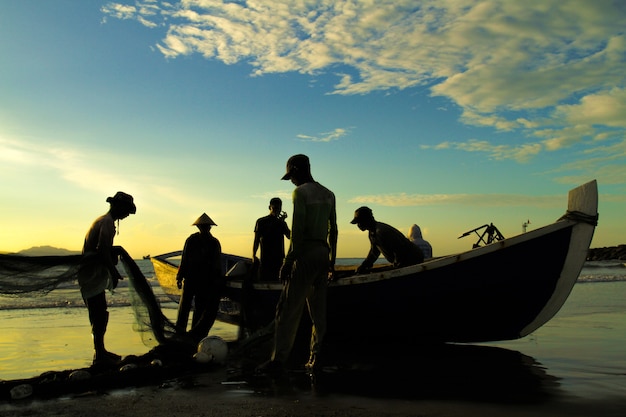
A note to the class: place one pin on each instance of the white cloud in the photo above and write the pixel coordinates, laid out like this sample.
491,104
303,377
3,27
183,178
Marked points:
476,200
603,162
520,153
533,67
606,108
90,171
120,11
325,137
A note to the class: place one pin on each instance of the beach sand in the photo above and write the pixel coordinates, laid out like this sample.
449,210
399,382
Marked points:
573,366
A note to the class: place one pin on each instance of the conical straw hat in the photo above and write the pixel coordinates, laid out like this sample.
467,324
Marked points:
204,219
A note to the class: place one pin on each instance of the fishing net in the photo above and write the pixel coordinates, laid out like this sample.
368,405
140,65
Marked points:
25,276
36,275
150,322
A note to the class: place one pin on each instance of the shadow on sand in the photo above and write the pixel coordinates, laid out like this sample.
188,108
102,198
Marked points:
438,372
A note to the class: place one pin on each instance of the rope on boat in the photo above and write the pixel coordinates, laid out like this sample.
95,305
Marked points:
579,216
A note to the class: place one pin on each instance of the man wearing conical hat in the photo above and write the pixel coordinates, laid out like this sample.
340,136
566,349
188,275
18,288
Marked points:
201,278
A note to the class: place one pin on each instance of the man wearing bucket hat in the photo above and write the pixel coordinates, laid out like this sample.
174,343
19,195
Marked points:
385,239
201,278
98,271
308,265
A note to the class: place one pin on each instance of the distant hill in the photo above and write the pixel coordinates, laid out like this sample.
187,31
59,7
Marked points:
46,251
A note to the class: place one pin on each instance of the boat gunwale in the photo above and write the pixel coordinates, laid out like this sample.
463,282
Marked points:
237,282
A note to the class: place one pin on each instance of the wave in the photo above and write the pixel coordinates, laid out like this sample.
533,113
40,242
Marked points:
603,271
600,278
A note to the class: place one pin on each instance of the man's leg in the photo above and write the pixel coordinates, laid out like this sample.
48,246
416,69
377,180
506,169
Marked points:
99,319
316,302
184,306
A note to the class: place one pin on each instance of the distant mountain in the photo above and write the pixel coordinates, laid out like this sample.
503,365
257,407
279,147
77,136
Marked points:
46,251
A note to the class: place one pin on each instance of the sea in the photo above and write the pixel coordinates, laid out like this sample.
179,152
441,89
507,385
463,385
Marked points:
582,349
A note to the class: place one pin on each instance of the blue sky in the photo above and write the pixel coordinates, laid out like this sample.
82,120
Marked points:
450,114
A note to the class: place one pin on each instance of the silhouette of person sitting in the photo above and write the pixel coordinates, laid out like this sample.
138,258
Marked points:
415,236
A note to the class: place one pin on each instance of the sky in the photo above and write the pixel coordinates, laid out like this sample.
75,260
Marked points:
450,114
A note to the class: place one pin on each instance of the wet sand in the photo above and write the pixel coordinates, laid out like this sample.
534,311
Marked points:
573,366
448,380
206,395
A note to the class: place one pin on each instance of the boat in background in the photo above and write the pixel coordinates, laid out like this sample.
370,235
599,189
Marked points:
490,293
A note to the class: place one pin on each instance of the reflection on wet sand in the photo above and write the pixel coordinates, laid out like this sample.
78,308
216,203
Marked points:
441,372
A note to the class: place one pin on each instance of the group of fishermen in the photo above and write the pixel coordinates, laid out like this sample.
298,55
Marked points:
304,270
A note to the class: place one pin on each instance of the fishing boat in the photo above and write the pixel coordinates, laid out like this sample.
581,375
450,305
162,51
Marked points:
501,290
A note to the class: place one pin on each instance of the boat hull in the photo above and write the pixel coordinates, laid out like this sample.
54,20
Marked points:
501,291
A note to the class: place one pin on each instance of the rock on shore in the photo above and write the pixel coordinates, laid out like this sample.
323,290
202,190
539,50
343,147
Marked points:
607,253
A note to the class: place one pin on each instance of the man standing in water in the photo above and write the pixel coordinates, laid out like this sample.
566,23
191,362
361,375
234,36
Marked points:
269,233
309,264
201,271
98,271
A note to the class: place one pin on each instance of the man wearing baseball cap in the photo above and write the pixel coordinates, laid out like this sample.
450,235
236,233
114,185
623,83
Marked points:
308,265
385,239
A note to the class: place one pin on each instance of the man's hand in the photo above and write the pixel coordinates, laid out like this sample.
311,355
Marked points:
115,279
361,270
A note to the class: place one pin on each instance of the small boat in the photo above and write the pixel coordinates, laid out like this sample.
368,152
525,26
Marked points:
502,290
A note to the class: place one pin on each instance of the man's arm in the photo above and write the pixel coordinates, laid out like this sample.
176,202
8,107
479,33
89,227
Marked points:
333,233
105,249
373,254
217,261
286,230
255,245
182,268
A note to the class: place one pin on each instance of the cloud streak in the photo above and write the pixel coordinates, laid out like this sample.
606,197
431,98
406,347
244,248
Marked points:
474,200
81,169
552,71
325,137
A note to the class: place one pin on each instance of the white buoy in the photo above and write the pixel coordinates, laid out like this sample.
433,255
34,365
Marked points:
19,392
128,367
202,357
79,375
214,346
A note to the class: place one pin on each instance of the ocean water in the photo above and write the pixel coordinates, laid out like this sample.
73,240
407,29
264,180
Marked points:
583,347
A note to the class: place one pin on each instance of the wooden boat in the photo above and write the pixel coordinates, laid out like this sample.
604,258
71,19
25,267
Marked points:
500,291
